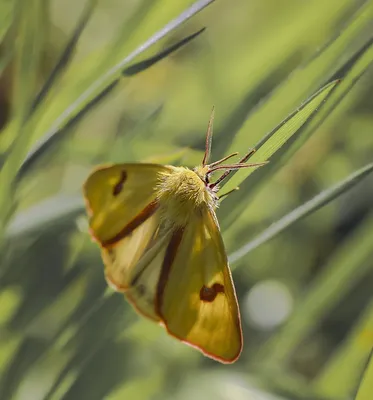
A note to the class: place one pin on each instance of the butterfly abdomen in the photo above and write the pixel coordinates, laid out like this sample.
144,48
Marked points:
180,193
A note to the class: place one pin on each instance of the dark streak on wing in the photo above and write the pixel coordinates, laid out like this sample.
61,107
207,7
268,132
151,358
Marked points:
119,186
166,266
147,212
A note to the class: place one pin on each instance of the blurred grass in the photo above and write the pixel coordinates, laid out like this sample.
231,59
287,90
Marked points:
62,334
365,388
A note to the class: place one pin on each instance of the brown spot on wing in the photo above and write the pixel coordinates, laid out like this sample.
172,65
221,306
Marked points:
209,293
169,258
147,212
119,186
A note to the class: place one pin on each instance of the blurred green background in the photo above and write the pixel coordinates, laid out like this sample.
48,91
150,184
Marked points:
305,296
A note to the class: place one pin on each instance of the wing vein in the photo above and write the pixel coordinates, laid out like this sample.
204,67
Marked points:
146,213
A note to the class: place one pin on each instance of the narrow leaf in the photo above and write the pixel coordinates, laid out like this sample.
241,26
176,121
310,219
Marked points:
354,70
365,389
145,64
54,136
46,213
305,209
344,269
66,55
275,139
100,86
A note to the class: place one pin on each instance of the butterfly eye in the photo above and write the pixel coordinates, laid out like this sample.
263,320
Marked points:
209,293
119,186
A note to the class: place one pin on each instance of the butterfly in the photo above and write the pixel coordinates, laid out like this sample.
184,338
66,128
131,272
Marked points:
162,247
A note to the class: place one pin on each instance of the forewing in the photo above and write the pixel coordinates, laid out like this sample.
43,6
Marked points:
142,292
196,299
133,264
120,197
121,257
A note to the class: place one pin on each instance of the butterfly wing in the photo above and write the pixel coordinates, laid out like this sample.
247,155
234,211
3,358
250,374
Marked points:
178,276
121,257
133,264
144,277
119,198
196,299
124,219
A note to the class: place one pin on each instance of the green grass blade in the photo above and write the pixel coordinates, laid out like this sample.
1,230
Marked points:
264,147
263,90
145,64
355,67
102,86
48,141
341,373
274,140
23,359
349,264
31,29
46,213
355,11
305,209
30,26
366,385
66,55
6,11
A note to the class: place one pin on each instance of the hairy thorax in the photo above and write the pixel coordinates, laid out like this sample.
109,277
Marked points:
181,193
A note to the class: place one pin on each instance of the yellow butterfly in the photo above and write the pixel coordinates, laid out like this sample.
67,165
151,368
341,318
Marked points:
162,247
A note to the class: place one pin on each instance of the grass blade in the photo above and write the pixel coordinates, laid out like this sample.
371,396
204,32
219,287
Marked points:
30,26
365,389
145,64
344,369
274,140
54,137
305,209
66,55
344,269
46,213
355,67
100,85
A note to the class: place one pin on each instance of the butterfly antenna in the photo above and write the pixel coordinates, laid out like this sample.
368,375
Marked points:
233,167
226,173
247,156
223,159
241,161
208,138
